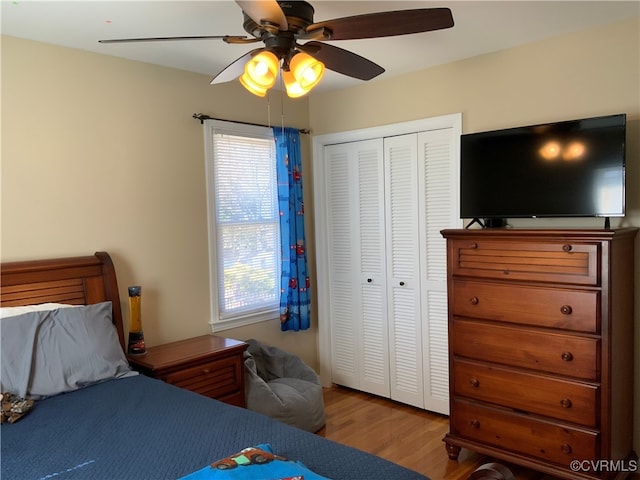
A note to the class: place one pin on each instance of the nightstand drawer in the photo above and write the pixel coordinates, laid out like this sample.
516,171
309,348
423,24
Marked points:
214,379
523,434
575,310
574,356
562,399
557,262
208,364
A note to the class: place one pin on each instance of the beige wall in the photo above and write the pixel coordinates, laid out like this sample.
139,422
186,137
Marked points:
596,72
100,153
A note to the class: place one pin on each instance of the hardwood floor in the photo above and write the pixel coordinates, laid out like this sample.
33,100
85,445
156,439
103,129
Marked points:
405,435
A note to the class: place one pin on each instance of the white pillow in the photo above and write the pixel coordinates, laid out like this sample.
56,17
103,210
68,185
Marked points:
42,307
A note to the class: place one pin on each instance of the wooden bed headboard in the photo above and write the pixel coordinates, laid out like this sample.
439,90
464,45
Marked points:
75,281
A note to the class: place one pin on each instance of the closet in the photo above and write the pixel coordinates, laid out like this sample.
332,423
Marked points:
382,287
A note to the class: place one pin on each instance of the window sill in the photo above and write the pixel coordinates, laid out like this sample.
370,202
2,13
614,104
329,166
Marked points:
220,325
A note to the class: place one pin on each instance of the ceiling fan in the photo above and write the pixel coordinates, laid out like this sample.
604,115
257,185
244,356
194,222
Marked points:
282,25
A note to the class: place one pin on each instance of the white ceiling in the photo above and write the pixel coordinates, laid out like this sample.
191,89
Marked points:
480,27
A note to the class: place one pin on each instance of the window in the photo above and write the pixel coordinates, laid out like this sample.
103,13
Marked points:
244,230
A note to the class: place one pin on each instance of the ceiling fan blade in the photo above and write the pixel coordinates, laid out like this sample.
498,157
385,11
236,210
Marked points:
228,38
386,24
234,69
264,11
342,61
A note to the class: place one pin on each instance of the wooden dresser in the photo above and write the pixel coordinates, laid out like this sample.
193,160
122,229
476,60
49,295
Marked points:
209,365
541,347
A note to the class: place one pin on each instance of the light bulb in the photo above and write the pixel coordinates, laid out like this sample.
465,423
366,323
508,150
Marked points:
307,70
294,90
260,73
261,68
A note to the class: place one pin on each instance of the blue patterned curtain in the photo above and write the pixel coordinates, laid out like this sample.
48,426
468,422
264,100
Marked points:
295,305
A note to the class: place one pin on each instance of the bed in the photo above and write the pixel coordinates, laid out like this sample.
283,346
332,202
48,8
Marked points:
129,426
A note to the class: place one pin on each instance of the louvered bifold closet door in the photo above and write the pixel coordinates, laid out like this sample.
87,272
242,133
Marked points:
356,265
438,210
403,269
372,279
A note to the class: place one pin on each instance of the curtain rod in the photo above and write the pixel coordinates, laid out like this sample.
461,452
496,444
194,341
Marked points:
202,117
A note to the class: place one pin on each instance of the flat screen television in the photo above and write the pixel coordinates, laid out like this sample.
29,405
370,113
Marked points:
571,168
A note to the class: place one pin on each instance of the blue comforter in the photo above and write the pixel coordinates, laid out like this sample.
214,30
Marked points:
140,428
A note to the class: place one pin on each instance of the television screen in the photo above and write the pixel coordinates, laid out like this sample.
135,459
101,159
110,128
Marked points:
566,169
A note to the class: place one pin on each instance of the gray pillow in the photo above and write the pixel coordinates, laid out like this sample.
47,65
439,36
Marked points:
60,350
18,338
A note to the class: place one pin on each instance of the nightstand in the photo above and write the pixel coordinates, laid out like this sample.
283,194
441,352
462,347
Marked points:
209,365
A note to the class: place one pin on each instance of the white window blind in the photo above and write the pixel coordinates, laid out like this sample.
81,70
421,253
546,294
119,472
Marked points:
244,231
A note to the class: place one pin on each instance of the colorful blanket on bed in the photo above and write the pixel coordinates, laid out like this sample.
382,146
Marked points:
255,463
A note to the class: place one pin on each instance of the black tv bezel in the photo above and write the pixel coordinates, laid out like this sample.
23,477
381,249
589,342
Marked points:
496,220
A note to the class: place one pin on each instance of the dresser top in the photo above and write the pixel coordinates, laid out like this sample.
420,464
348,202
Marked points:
557,234
182,351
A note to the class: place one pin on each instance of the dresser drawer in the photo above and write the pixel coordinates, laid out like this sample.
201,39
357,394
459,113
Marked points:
574,402
557,353
576,310
215,379
524,434
557,262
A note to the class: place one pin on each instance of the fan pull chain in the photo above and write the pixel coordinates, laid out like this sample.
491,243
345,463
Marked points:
282,111
281,101
269,109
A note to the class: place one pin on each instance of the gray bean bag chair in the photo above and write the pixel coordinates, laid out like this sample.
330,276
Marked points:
282,386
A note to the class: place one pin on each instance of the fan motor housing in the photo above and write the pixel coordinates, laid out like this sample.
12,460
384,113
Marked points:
299,15
282,44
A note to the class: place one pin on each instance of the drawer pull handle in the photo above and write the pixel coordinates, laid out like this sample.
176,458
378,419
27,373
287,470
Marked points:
475,423
475,383
206,371
402,284
566,403
369,280
473,245
566,247
567,356
566,309
566,448
474,300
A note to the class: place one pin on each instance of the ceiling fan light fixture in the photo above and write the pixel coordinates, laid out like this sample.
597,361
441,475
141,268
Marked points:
260,72
293,88
250,85
306,70
281,24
